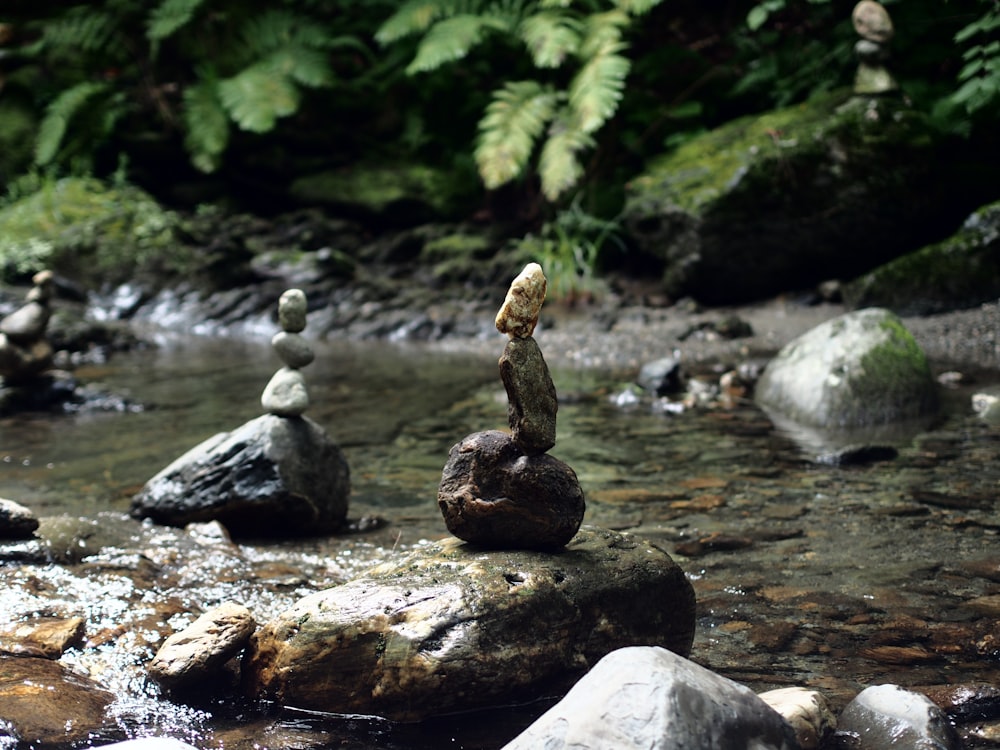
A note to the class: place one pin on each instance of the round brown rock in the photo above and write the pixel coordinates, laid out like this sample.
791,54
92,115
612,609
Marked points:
493,495
872,22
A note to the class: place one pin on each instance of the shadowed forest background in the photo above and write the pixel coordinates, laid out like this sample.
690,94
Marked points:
535,111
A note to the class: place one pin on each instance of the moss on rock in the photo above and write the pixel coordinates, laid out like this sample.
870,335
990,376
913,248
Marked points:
824,189
85,229
959,272
399,193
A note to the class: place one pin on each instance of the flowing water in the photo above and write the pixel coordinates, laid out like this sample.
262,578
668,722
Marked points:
834,577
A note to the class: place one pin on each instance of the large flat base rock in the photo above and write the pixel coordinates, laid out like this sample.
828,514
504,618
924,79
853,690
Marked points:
452,627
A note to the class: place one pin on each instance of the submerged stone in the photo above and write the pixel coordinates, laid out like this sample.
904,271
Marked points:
273,476
450,627
493,495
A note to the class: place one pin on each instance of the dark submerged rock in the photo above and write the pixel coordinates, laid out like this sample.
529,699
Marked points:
46,704
273,476
450,627
493,495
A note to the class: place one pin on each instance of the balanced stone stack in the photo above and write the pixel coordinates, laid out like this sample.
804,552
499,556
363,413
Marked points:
501,490
286,394
277,475
24,351
874,26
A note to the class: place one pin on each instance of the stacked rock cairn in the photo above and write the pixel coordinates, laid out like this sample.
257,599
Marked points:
874,26
24,351
286,394
503,490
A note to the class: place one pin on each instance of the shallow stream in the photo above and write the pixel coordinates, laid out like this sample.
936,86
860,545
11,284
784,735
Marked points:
833,577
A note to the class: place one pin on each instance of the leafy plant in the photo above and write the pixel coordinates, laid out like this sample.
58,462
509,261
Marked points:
201,66
979,78
568,249
548,114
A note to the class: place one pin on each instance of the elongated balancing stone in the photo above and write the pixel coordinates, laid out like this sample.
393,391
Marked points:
518,315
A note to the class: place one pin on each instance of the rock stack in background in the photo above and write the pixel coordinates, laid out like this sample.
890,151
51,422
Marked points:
277,475
874,26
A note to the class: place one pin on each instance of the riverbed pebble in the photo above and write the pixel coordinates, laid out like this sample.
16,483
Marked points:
197,652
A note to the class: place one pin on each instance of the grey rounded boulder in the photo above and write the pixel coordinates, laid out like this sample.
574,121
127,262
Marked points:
862,369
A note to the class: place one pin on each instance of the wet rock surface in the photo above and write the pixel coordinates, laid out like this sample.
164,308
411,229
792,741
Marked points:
271,476
495,496
652,698
434,632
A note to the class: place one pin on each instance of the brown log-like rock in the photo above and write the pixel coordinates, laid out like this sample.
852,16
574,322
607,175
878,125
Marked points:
450,627
493,495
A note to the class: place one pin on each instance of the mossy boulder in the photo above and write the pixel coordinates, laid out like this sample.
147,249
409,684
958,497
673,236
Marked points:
395,194
862,369
830,188
959,272
85,229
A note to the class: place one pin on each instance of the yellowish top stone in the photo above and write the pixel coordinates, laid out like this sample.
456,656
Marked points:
518,315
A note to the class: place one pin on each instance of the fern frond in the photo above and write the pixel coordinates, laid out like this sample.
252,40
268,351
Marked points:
304,66
206,125
274,29
169,16
597,88
415,17
550,37
602,31
58,115
257,96
513,122
450,40
558,165
637,7
85,29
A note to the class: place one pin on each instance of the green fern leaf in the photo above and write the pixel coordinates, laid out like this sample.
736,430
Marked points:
256,97
304,66
550,37
169,16
450,40
602,33
414,17
85,29
206,125
558,165
637,7
58,115
597,88
514,120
